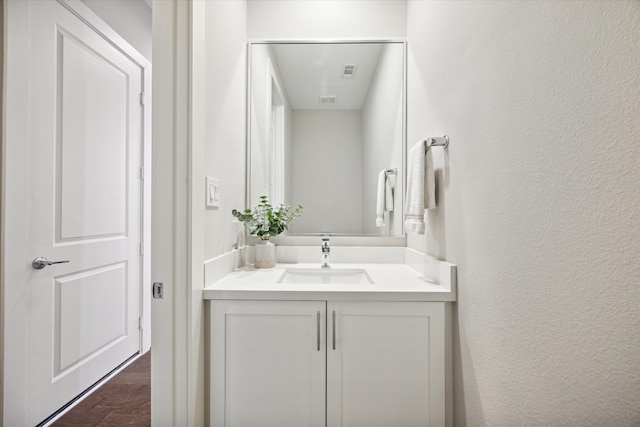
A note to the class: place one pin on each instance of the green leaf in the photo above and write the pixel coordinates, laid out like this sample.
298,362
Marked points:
264,220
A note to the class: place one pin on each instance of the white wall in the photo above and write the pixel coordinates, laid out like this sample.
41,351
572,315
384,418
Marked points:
329,187
382,130
129,18
219,151
225,116
284,19
538,203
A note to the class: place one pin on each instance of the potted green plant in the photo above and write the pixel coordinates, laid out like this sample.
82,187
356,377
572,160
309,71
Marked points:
264,222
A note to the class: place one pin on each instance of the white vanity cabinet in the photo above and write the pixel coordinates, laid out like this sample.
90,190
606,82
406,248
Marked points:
268,363
387,363
333,363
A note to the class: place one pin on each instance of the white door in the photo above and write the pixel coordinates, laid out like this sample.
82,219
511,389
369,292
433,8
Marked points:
385,364
267,363
73,192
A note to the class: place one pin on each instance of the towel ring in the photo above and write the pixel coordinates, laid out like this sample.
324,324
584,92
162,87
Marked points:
438,141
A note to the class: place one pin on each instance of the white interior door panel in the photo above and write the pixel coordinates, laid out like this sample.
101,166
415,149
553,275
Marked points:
81,129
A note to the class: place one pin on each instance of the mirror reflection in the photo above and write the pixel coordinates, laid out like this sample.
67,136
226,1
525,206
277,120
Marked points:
327,132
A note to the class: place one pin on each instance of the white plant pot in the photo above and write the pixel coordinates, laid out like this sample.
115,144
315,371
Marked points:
265,256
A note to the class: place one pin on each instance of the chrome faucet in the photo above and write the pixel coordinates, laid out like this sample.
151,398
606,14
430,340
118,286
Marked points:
326,250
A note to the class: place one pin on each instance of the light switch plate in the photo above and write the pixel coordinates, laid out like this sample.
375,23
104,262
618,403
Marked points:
212,192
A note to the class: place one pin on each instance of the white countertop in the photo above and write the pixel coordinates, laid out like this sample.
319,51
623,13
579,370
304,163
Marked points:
392,282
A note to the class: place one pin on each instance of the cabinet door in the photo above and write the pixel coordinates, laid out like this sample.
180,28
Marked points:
268,363
386,364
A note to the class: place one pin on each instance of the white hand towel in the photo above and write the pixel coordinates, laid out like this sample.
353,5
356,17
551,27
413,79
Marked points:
384,200
421,189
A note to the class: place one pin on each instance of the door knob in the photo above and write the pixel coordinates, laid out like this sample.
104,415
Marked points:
41,262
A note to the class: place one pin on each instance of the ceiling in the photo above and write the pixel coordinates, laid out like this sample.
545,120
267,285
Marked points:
315,69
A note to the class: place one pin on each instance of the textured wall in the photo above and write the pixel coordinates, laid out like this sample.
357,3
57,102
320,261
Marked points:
539,203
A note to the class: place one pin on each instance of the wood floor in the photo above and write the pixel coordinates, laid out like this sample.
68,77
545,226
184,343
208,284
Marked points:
123,401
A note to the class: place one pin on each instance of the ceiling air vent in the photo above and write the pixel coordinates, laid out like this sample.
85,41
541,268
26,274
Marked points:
349,71
328,99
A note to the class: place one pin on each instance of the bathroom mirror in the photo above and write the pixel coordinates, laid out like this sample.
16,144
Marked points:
325,121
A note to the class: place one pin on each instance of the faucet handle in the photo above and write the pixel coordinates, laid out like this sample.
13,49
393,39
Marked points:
325,244
325,251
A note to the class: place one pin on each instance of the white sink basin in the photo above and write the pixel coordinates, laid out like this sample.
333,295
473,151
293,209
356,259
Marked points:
325,276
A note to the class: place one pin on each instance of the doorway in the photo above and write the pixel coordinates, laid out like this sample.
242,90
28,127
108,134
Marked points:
75,197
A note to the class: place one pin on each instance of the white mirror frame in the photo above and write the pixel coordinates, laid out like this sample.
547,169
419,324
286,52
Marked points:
312,239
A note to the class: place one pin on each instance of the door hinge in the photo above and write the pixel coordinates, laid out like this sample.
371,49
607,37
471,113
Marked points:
142,173
141,248
140,322
142,98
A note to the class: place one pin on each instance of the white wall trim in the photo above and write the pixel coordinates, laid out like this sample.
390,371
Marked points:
171,385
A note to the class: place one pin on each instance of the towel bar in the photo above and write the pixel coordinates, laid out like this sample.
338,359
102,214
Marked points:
438,141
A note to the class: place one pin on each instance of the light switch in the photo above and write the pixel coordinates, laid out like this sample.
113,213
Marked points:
212,192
